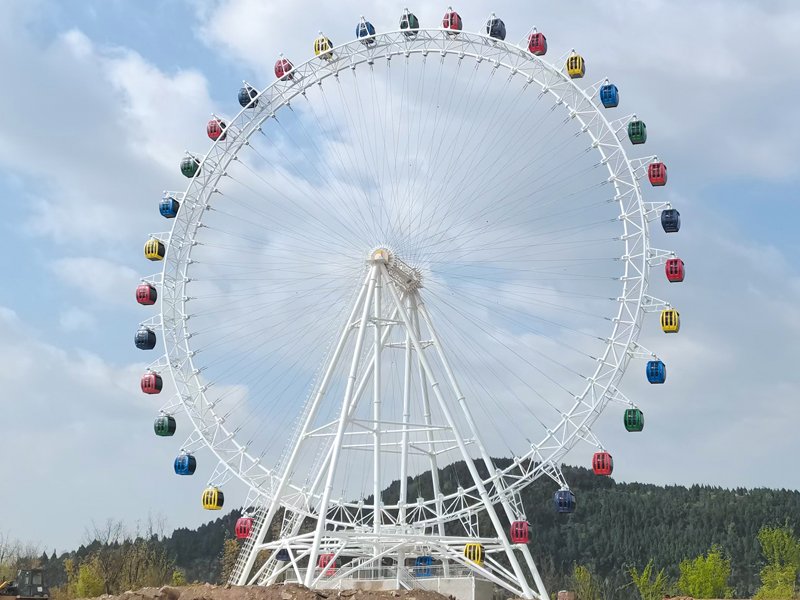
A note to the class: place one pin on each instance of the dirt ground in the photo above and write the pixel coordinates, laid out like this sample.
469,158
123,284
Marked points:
276,592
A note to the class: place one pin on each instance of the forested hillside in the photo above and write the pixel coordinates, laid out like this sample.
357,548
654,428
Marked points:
616,526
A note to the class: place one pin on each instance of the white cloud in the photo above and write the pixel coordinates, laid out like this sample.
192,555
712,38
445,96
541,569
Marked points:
97,281
76,319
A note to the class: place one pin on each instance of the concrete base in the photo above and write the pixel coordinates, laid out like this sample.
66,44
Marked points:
462,588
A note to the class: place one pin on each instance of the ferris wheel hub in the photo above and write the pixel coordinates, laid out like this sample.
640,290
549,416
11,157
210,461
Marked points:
404,275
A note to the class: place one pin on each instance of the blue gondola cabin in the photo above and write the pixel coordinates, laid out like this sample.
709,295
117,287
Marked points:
145,338
609,95
365,32
670,220
656,371
422,566
564,501
248,96
495,28
168,207
185,464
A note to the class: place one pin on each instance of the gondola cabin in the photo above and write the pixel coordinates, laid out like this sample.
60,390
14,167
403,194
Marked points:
283,69
327,563
520,532
576,66
282,555
452,22
243,528
633,420
422,566
656,371
216,129
409,24
146,294
609,95
323,47
675,270
154,249
365,32
145,338
168,207
165,426
248,96
495,28
151,383
564,501
670,220
537,43
473,552
213,498
190,166
670,320
602,463
657,174
185,464
637,132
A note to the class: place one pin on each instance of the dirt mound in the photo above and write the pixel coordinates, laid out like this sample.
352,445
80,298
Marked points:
276,592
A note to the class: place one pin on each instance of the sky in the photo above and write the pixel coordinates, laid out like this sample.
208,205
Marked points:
100,99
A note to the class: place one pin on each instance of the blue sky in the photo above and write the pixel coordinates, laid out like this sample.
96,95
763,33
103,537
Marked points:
101,98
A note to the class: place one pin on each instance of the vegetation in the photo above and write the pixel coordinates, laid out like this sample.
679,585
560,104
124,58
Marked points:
781,550
705,540
706,576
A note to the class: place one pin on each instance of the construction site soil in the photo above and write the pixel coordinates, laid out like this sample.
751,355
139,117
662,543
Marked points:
276,592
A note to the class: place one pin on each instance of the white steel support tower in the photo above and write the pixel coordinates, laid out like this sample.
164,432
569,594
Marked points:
389,314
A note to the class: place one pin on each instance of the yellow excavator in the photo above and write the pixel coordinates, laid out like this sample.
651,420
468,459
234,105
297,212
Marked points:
29,585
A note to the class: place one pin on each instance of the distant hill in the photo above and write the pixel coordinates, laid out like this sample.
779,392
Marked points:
616,525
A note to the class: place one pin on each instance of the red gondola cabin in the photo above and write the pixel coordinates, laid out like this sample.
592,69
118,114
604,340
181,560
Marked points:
152,383
657,173
452,22
520,533
537,44
675,270
328,563
283,69
146,294
216,129
602,463
244,526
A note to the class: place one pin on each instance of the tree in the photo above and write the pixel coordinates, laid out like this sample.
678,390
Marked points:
649,585
584,584
178,578
230,552
781,550
706,576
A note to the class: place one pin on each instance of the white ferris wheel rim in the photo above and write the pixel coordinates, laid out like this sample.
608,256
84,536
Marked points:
542,458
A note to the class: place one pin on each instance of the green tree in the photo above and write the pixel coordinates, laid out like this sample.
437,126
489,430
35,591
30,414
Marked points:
90,582
650,585
781,549
584,584
230,552
706,576
178,577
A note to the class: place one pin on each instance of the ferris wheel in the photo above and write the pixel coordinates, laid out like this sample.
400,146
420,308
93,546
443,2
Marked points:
405,281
